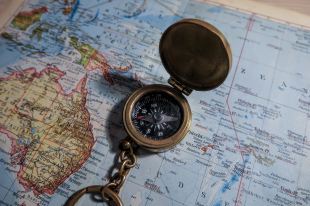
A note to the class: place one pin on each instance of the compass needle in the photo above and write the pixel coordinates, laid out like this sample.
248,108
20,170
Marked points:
167,118
156,105
157,117
197,56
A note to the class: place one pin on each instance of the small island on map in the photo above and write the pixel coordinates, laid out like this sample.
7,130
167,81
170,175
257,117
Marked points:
60,114
26,18
93,59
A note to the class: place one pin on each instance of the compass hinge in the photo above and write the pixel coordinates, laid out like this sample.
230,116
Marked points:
183,89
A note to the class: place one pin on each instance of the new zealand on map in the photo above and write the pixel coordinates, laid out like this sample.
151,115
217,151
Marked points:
65,74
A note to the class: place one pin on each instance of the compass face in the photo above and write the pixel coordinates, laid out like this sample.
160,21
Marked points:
157,115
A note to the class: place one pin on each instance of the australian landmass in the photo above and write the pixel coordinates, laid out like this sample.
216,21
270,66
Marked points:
50,131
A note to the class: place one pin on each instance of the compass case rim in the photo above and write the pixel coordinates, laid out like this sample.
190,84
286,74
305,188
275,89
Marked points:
196,54
146,142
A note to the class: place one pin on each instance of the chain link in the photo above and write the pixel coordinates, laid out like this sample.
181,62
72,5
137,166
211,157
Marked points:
109,192
127,160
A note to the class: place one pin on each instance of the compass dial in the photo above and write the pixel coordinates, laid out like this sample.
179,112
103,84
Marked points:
157,115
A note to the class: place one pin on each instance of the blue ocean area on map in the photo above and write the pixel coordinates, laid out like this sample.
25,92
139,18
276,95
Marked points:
249,139
8,179
215,9
95,16
74,9
9,54
235,176
159,22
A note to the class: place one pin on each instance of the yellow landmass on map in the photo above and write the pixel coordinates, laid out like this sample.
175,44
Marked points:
50,130
26,18
92,59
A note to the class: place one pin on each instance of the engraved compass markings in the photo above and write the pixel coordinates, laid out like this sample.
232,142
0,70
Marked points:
157,116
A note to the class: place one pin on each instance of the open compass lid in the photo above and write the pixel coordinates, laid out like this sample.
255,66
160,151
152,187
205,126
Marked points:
195,54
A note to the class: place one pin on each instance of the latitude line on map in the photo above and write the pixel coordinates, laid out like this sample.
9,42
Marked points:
142,186
9,190
255,96
166,187
268,99
250,181
269,66
248,28
161,163
265,99
205,172
199,157
174,13
302,149
52,103
238,90
41,142
257,31
226,23
14,108
239,133
234,75
6,188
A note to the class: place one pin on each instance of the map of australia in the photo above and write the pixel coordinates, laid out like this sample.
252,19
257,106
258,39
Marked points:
49,130
66,68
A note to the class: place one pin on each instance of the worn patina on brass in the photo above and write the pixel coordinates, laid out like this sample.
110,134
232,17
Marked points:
195,54
157,145
198,57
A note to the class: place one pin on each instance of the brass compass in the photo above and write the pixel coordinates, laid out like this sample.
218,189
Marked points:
157,117
197,56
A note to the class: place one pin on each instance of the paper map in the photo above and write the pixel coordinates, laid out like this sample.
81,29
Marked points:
65,74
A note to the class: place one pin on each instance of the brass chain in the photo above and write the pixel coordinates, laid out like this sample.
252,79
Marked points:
109,192
127,160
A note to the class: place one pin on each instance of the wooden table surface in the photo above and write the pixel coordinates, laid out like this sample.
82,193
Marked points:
295,11
300,6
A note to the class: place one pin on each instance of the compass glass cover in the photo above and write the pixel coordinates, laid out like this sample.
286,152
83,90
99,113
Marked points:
157,115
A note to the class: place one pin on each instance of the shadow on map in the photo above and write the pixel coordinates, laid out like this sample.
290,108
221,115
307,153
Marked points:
115,119
115,128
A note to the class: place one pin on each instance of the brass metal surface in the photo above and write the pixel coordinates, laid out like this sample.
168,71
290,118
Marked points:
105,192
195,54
145,142
109,192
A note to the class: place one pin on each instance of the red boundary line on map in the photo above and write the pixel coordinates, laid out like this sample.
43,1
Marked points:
259,14
249,27
80,88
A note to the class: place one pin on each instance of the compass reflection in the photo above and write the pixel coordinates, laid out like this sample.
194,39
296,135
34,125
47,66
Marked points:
157,115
